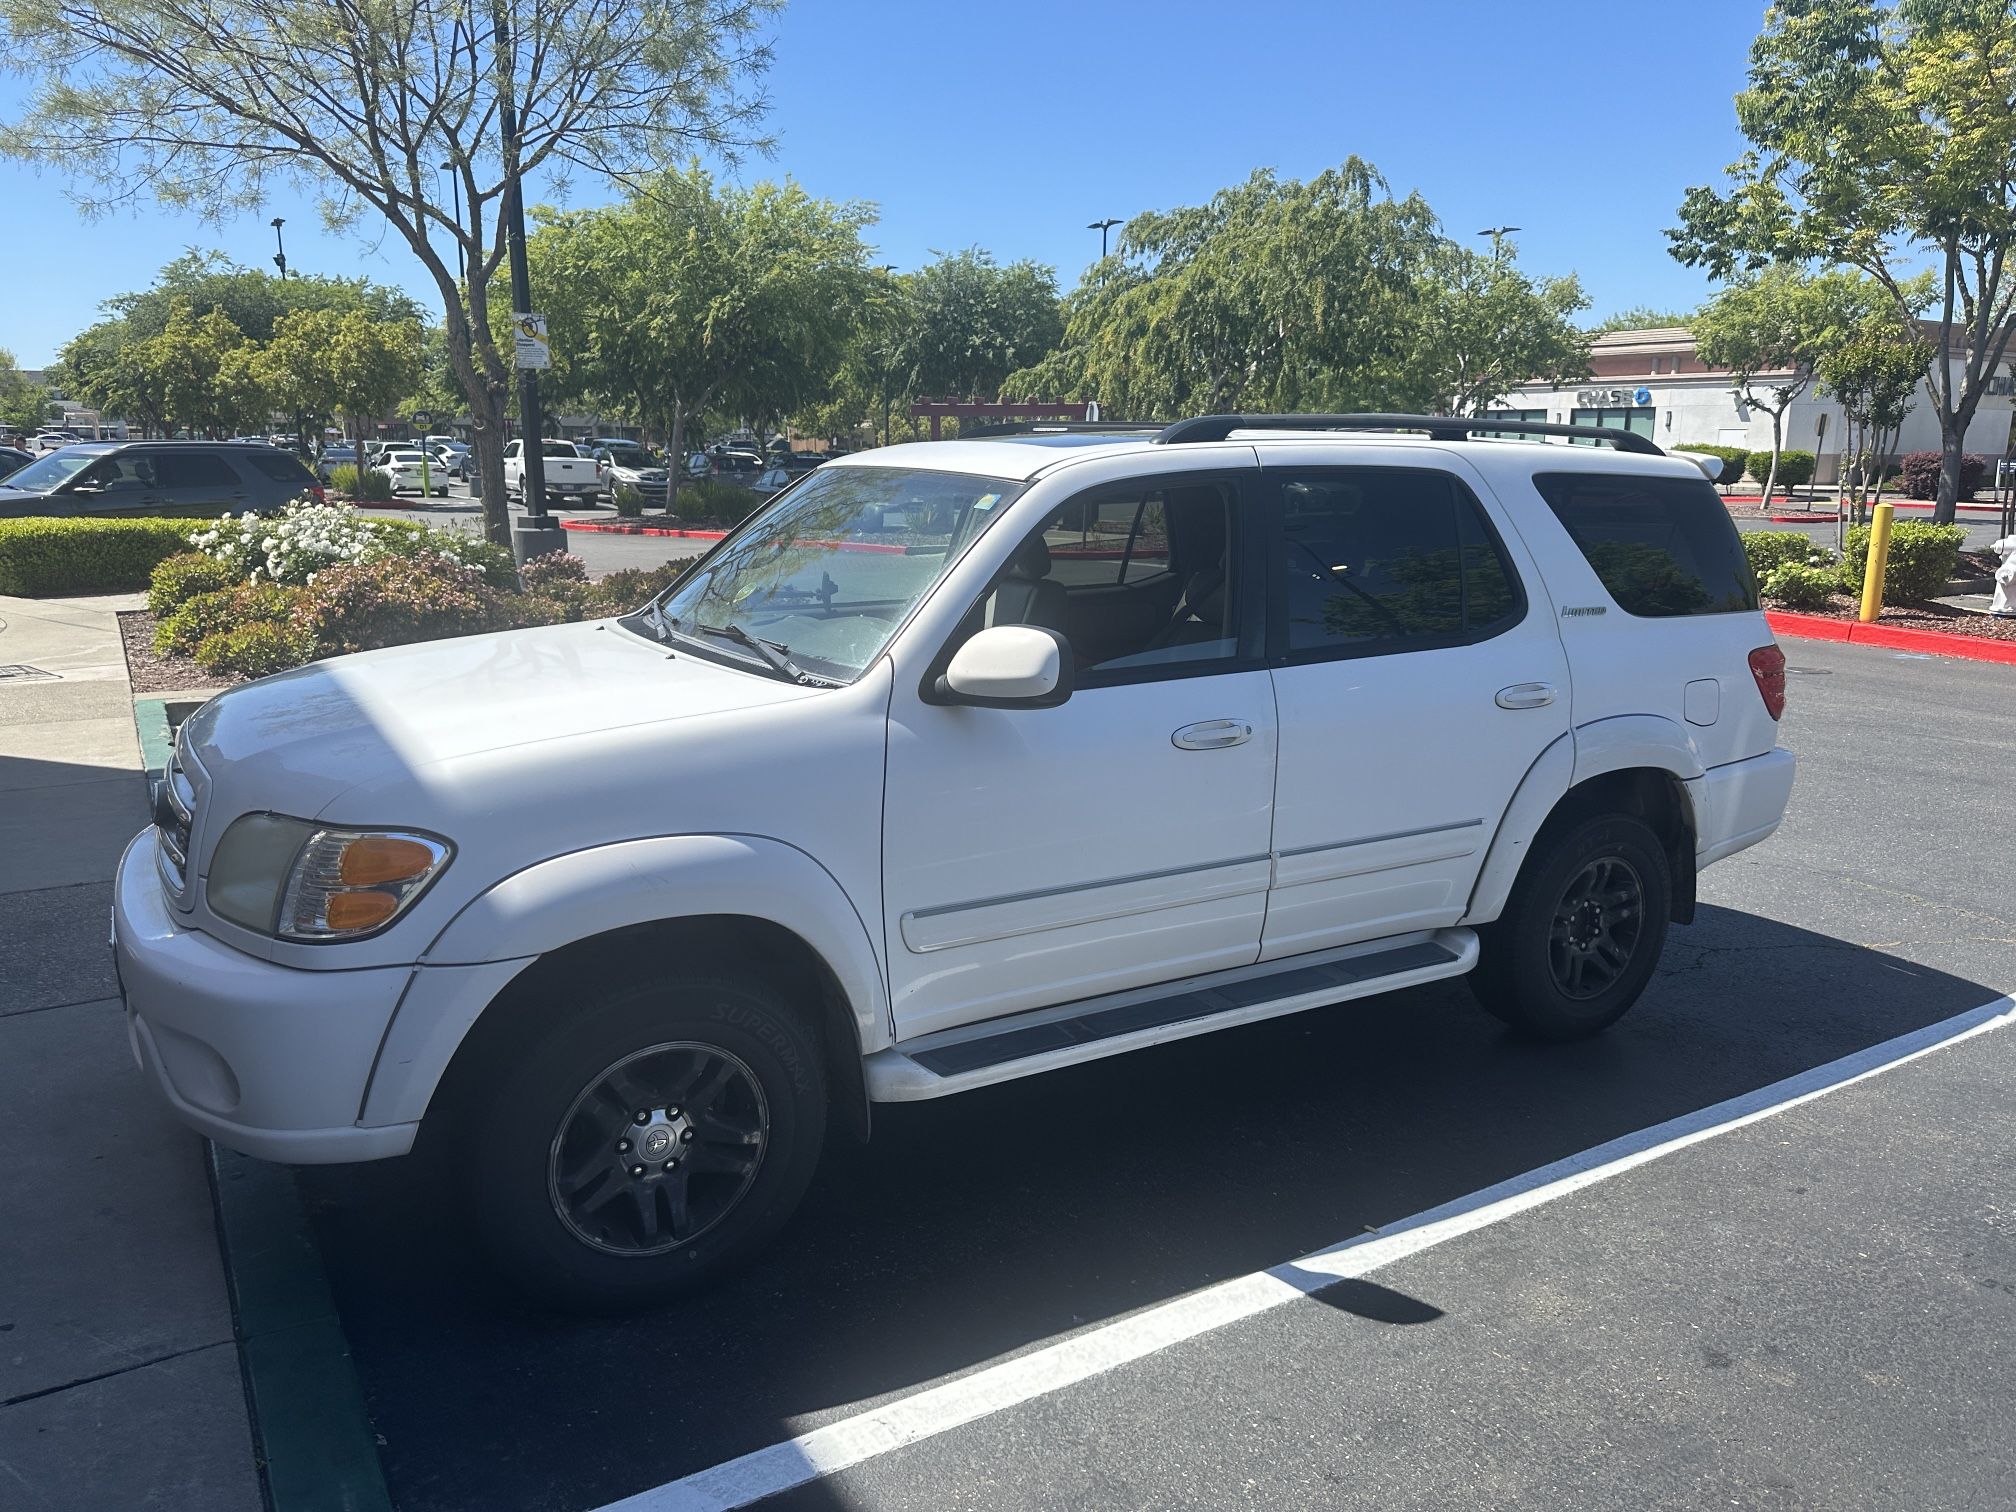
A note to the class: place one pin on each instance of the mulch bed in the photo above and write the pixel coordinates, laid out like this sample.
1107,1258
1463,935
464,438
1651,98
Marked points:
151,672
1939,617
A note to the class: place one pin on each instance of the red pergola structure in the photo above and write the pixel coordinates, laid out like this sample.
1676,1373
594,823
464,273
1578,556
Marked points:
992,409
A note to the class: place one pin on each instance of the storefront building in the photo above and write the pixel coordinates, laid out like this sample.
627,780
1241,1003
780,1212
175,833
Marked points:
1651,382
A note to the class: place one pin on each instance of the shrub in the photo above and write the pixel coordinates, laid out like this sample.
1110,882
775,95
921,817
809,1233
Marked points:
40,557
1922,558
1795,468
177,579
395,600
1769,550
729,503
498,567
520,611
1921,474
1733,459
223,609
631,588
629,502
258,649
1798,586
546,574
372,483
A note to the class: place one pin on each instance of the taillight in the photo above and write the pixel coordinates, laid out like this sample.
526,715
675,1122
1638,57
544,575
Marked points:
1767,665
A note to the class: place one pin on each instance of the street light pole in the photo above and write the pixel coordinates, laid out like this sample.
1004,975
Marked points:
1102,227
1498,235
280,256
540,533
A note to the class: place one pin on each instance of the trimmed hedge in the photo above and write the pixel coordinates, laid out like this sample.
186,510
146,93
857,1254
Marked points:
1922,557
1921,474
1798,586
1770,550
178,579
1795,468
1733,458
43,557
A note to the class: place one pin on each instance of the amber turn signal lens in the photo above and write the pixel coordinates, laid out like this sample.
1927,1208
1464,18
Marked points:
376,859
359,910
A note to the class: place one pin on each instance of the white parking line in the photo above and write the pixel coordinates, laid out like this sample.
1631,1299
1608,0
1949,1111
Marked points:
853,1440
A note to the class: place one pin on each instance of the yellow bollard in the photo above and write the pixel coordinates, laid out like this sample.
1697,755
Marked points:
1879,562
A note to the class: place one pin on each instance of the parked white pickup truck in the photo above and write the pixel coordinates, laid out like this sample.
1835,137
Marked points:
954,763
570,473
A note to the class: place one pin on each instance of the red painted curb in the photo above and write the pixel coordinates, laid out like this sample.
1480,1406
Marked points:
612,527
1891,637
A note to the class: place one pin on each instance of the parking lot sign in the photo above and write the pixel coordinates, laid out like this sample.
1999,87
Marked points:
529,341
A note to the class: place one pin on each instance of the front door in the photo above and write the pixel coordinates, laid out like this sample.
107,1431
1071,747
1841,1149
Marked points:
1037,856
1418,674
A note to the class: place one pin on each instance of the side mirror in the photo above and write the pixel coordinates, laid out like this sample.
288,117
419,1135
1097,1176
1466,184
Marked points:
1009,667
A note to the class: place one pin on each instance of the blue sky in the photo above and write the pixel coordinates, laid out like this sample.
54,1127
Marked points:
1010,127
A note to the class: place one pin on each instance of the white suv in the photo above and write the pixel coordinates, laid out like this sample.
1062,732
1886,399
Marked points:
955,763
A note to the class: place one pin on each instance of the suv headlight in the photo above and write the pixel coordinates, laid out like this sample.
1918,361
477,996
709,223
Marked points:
300,881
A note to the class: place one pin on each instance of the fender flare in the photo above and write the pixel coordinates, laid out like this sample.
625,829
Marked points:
584,893
1618,744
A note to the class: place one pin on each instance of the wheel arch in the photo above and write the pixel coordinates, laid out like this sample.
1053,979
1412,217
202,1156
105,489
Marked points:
1637,764
636,907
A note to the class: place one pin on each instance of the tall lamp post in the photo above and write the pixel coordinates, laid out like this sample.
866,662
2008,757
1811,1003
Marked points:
540,533
1102,227
1498,235
280,255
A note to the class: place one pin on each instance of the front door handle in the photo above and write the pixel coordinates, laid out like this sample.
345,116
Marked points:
1526,696
1212,735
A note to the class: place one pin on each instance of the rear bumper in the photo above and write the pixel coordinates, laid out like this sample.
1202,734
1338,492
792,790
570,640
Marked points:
1742,803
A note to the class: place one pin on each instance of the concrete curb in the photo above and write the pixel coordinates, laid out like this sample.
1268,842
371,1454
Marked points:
310,1430
1893,637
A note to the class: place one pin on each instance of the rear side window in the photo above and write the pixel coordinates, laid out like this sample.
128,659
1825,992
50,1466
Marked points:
281,467
1663,547
1389,559
193,469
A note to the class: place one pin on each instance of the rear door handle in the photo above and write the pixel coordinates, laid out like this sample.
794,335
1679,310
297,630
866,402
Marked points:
1212,735
1534,695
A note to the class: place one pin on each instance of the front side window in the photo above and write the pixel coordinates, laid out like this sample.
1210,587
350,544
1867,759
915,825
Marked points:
1663,547
53,470
1141,578
1390,559
814,585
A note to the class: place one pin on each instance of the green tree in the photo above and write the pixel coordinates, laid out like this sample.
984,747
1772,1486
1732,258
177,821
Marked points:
1770,330
689,298
325,364
205,104
1882,138
1484,328
193,374
1641,318
970,322
253,298
1874,376
1277,295
23,404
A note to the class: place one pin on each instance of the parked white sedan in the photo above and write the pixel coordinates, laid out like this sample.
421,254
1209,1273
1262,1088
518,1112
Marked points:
414,471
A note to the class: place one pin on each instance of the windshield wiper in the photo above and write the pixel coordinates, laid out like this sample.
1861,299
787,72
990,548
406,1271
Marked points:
777,656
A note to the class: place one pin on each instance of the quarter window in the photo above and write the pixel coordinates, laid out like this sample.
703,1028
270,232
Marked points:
1390,559
1662,546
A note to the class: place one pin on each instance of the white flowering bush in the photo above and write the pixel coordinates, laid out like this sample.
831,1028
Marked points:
306,538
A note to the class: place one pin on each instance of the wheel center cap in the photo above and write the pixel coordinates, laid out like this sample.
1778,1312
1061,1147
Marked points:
657,1143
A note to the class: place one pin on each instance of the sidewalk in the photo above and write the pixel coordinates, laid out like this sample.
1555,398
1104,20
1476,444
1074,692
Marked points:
119,1376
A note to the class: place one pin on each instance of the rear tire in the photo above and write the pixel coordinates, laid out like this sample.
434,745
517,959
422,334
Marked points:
589,1209
1581,934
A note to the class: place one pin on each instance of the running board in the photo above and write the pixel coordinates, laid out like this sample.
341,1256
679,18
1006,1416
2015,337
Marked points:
978,1055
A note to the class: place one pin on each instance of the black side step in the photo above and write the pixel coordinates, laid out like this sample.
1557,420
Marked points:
1105,1023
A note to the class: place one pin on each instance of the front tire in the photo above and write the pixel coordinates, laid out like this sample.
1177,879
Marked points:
641,1144
1582,932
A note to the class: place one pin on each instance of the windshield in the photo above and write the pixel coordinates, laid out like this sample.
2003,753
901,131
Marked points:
827,573
54,470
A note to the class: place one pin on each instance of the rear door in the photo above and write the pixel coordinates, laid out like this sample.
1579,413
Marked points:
199,482
1417,674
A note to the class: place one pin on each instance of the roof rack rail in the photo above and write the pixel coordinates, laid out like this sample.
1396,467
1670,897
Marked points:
1438,427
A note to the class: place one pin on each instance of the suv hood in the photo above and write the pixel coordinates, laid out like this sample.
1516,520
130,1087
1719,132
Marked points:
296,742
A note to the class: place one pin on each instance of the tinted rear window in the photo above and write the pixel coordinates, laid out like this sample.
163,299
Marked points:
1662,546
281,467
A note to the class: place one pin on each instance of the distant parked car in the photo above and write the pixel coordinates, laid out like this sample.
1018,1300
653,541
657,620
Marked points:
334,457
118,478
13,459
414,471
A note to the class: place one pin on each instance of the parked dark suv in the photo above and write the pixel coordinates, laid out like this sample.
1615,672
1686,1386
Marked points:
111,479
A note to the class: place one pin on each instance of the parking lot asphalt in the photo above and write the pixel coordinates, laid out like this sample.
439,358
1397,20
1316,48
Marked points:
1812,1311
600,553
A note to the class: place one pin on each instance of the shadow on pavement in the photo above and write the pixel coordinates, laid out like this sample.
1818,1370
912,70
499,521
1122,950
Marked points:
988,1223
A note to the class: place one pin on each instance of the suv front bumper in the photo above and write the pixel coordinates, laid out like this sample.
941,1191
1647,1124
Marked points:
264,1059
